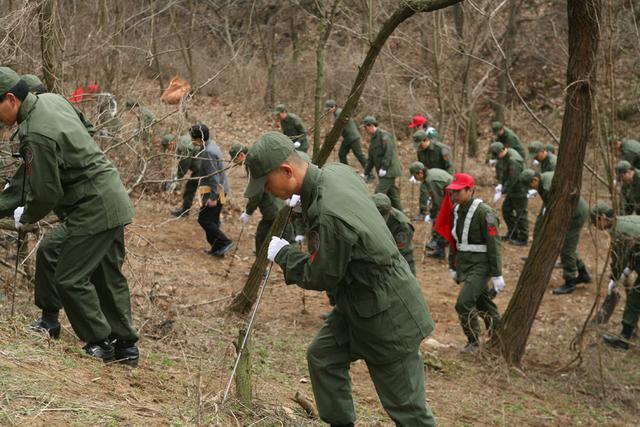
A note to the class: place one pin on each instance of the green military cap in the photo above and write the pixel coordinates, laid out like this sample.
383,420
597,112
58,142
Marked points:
416,167
369,120
271,149
8,79
330,103
166,139
526,176
535,147
34,83
419,136
623,166
131,103
280,108
600,209
496,148
304,156
237,148
496,126
550,148
383,203
613,138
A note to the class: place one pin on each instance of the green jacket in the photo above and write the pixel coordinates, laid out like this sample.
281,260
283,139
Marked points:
630,151
630,196
510,140
483,230
383,154
625,235
269,206
350,132
402,231
436,182
146,116
549,163
435,156
544,189
293,127
11,197
380,310
508,171
66,169
187,153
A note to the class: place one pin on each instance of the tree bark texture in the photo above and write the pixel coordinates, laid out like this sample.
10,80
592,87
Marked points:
51,45
243,374
508,44
512,336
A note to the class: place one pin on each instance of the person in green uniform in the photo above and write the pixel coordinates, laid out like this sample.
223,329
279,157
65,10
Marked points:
625,235
420,122
383,157
65,170
630,189
380,314
514,207
476,260
188,161
626,149
574,271
542,156
508,138
432,153
292,126
146,120
433,184
350,136
400,227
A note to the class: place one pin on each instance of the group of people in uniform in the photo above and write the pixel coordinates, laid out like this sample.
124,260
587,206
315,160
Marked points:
359,246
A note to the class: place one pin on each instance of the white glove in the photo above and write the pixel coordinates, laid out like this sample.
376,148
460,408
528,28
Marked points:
612,285
244,217
7,185
626,272
453,274
413,180
274,247
174,184
531,193
497,196
296,144
498,283
492,162
535,162
382,173
499,188
17,214
295,203
427,219
299,239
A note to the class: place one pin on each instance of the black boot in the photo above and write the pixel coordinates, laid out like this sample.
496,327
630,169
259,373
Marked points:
126,352
432,245
180,212
621,341
438,253
48,324
583,276
568,287
100,350
342,425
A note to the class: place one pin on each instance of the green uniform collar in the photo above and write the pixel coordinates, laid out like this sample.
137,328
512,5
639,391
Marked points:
27,107
310,186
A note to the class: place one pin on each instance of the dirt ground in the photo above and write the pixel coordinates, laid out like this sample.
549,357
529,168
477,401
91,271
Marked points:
180,297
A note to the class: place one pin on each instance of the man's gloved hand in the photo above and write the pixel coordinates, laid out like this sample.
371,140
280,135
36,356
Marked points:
382,173
295,203
611,286
245,217
497,196
299,239
626,273
413,180
535,162
454,275
532,193
492,162
274,247
427,219
17,214
499,188
296,144
498,283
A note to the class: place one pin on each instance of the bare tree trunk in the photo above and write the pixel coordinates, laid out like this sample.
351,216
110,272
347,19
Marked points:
512,335
154,49
51,45
270,89
437,51
509,41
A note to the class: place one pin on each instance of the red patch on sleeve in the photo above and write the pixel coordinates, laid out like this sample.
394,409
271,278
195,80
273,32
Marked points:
492,230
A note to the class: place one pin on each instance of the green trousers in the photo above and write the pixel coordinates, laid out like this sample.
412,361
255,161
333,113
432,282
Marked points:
190,189
569,258
354,146
514,212
388,186
83,275
631,312
400,384
473,301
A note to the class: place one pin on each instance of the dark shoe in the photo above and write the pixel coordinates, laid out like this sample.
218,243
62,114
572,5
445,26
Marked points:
44,327
505,237
616,341
179,212
126,352
568,287
558,265
583,276
100,350
470,348
432,245
325,316
516,242
437,254
223,250
370,178
419,217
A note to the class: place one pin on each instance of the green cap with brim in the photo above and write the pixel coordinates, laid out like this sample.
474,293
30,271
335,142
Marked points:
496,148
237,148
8,79
623,166
416,167
535,147
271,149
496,126
33,82
526,176
280,108
600,209
131,103
419,136
330,103
166,139
383,203
369,120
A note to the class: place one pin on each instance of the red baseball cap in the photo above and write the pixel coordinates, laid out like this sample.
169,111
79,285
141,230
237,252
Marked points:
460,181
418,120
